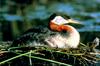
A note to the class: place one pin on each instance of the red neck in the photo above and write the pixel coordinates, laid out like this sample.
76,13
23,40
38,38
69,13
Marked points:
60,27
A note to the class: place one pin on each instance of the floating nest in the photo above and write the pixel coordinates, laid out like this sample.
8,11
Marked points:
84,55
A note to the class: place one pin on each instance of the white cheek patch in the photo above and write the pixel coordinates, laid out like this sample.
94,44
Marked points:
59,20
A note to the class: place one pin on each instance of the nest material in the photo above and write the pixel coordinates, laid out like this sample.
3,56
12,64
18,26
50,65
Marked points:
84,55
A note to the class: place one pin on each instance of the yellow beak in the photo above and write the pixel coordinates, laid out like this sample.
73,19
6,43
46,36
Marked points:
74,21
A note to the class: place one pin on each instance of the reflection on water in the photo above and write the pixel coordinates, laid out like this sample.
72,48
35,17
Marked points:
12,17
77,10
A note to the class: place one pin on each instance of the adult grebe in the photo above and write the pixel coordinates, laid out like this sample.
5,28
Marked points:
59,34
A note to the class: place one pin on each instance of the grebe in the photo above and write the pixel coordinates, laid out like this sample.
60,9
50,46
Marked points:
58,34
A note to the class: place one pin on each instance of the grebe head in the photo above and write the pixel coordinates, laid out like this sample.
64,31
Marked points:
62,19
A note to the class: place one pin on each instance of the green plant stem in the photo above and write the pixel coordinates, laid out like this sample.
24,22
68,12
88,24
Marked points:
26,54
67,53
14,58
43,59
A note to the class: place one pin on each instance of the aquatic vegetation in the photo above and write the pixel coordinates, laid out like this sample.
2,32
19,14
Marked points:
84,55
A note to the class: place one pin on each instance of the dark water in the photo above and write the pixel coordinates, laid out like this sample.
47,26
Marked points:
87,12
